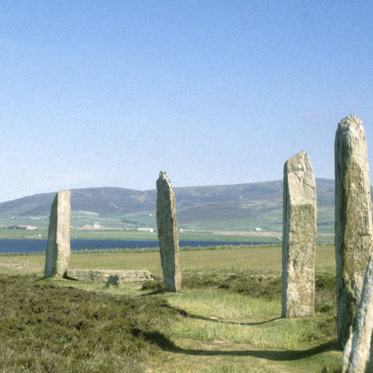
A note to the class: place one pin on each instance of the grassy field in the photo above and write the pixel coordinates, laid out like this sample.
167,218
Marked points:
226,319
42,233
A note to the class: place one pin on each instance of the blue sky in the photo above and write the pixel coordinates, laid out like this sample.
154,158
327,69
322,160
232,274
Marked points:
108,93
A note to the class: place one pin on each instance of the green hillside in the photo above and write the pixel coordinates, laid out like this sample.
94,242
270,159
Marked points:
239,207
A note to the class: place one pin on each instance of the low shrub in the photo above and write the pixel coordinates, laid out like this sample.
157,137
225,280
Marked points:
49,328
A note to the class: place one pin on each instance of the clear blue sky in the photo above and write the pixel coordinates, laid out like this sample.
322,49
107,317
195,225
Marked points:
109,92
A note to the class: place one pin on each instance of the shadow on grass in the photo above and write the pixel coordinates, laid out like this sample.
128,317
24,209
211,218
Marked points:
166,344
155,292
204,318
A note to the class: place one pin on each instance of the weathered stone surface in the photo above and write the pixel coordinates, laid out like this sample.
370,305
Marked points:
167,234
299,238
58,247
353,219
357,355
103,275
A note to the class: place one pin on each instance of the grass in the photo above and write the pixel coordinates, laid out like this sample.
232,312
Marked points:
270,220
118,234
42,233
226,319
48,328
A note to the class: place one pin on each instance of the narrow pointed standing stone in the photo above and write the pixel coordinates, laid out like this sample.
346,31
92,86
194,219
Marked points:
58,247
167,234
299,238
353,219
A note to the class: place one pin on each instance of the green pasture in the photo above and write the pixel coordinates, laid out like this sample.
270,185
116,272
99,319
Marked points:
252,260
42,233
269,221
226,319
190,236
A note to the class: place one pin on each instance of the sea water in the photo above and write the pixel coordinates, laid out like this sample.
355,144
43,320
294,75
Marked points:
19,246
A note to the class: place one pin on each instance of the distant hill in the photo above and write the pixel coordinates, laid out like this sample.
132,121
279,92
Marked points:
254,202
102,201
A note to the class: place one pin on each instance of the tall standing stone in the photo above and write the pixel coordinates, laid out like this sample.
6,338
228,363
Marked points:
358,351
299,237
167,234
353,219
58,247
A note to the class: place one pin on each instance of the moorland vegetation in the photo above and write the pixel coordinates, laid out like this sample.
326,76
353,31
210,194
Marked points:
226,319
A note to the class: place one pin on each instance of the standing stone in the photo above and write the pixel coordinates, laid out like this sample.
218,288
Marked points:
357,355
353,219
167,234
299,238
58,247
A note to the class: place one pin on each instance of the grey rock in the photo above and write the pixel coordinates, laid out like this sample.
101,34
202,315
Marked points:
299,237
357,355
167,234
58,247
103,275
353,221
